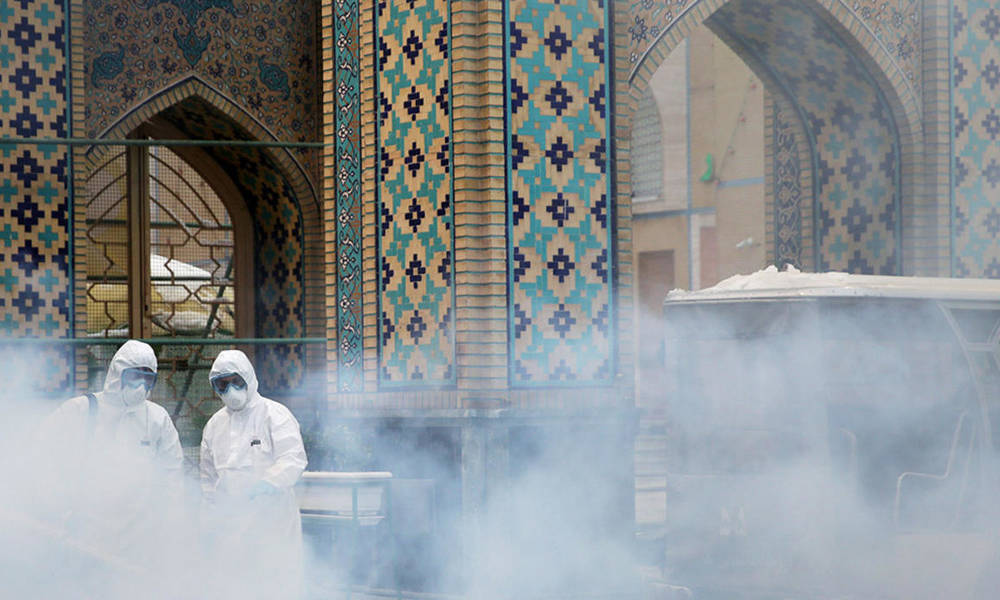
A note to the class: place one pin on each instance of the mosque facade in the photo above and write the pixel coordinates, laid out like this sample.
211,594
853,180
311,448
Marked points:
464,222
430,202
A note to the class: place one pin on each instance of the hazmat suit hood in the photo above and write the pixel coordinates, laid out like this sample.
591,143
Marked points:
234,361
132,354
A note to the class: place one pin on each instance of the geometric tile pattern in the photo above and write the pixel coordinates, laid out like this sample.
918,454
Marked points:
787,193
347,62
415,191
279,270
975,130
559,214
35,280
853,136
261,54
895,25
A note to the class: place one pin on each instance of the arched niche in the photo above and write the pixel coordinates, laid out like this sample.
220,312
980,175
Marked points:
854,107
270,187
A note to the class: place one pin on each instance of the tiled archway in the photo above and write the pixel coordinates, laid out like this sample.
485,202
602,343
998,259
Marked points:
851,93
282,204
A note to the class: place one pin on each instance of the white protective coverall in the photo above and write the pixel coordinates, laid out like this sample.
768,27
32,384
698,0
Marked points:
113,477
260,442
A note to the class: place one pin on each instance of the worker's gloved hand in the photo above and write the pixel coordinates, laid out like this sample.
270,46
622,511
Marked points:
262,488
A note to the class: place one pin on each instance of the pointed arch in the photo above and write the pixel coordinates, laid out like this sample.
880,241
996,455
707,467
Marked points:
884,62
194,86
861,62
283,205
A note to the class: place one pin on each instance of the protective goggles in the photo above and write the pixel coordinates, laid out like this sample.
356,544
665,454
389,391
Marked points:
221,383
136,376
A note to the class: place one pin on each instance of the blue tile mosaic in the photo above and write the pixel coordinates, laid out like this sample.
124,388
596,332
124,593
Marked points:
561,324
975,129
416,239
35,182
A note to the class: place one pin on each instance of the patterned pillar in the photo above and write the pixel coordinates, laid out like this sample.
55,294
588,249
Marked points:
561,306
975,130
35,250
433,224
415,190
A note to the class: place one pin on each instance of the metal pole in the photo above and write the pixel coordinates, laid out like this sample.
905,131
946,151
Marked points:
393,543
166,341
354,535
33,141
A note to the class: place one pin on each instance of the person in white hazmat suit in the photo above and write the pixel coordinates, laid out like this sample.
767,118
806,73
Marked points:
112,475
251,457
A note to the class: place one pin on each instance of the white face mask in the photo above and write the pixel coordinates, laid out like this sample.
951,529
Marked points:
134,396
235,399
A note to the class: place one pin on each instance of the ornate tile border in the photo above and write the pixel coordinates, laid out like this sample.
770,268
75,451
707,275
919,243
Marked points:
343,76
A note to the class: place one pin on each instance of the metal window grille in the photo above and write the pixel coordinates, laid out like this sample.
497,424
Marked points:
186,289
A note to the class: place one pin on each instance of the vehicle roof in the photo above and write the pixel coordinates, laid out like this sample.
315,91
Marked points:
791,283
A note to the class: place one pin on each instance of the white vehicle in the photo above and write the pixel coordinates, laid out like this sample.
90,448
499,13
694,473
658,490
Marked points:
833,436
